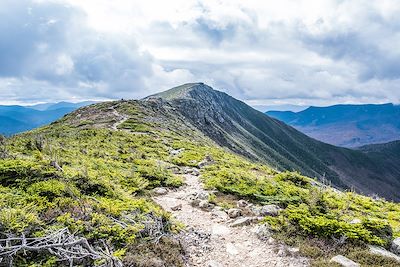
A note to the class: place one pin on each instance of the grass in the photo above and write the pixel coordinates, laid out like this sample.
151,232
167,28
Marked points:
106,175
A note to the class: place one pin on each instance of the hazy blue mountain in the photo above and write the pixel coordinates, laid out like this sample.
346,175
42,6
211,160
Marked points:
346,125
15,119
53,106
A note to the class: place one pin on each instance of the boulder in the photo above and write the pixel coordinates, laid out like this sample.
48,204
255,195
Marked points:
205,205
234,213
195,202
395,246
160,191
202,195
219,214
343,261
262,231
242,203
383,252
269,210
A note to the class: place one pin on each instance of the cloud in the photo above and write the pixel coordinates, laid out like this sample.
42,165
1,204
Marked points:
315,52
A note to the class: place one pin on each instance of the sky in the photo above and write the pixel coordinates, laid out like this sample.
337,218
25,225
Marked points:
287,52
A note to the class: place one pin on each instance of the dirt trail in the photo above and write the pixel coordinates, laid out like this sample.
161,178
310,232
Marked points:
211,241
121,118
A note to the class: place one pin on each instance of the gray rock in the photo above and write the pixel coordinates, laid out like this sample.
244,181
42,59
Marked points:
175,152
177,207
262,231
202,195
343,261
160,191
207,161
241,222
195,202
234,213
395,246
383,252
242,203
205,205
219,214
355,221
269,210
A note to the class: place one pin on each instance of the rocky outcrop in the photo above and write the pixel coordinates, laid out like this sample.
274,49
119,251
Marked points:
343,261
395,246
383,252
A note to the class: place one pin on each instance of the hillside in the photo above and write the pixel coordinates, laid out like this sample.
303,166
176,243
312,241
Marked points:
346,125
16,119
99,187
233,124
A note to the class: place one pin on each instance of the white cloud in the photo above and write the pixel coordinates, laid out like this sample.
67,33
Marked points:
311,52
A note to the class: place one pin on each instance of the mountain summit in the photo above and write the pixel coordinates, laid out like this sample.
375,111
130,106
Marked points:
246,131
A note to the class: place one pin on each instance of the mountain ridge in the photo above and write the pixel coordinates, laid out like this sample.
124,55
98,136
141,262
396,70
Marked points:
120,173
233,124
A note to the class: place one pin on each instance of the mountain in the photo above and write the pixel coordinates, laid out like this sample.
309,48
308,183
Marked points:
346,125
15,119
105,185
235,125
53,106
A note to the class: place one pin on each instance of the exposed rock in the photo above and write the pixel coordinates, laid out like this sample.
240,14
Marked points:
207,161
192,171
343,261
262,231
175,152
219,214
269,210
241,222
383,252
160,191
242,203
234,213
293,250
205,205
177,207
202,195
355,221
195,202
395,247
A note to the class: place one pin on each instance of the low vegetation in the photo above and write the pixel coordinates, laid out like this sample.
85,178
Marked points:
95,182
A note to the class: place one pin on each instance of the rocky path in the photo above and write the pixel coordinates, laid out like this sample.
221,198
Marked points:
211,240
121,118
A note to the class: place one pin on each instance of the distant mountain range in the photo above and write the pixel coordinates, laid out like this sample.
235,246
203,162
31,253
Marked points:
346,125
15,119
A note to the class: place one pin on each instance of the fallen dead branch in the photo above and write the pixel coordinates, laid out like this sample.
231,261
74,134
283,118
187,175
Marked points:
62,244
